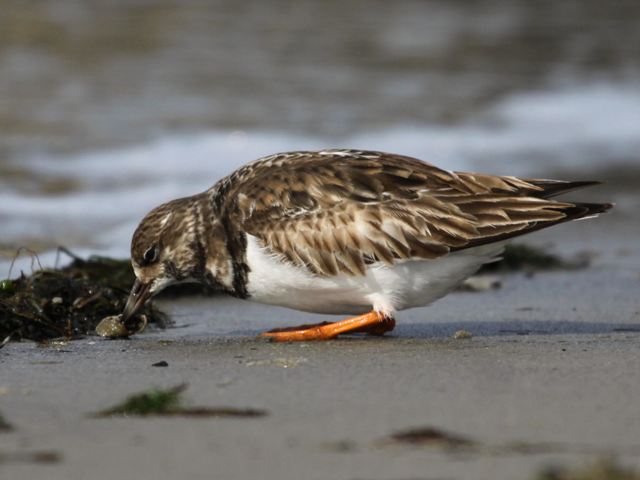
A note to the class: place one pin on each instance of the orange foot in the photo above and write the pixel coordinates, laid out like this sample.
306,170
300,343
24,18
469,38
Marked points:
373,323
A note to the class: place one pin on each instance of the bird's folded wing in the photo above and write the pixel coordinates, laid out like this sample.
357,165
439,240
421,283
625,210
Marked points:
337,211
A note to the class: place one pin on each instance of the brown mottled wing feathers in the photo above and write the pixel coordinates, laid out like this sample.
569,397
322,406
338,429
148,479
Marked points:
336,211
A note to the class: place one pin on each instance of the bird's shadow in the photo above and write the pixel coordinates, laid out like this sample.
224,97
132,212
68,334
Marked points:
494,328
233,319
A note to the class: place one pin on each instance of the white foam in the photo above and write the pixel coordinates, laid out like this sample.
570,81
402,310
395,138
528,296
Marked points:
526,134
529,134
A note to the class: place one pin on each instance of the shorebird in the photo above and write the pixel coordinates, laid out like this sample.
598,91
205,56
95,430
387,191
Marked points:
341,232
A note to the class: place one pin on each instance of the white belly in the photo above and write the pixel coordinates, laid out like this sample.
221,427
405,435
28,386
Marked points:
409,284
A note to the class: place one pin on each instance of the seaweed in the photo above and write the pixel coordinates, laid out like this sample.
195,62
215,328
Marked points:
151,402
107,272
518,256
68,302
168,402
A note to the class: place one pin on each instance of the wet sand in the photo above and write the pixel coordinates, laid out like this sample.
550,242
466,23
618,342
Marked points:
551,376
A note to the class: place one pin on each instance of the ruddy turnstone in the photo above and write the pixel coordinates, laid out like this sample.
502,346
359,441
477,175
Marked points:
341,232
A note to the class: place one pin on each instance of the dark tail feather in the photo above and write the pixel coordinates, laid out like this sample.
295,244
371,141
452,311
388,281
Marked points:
575,212
585,210
552,188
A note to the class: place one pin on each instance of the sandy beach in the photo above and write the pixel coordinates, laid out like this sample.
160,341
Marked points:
549,377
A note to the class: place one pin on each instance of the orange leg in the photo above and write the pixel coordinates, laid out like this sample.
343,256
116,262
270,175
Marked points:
373,323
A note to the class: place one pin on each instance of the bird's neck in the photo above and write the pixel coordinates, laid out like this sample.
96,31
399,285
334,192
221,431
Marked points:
225,246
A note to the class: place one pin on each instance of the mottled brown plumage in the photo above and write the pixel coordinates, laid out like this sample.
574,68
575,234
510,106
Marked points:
339,210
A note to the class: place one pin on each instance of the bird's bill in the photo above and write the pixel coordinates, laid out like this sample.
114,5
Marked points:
140,293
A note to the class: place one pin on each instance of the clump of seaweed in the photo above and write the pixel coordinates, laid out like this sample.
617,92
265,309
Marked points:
606,469
151,402
518,257
169,402
68,302
108,272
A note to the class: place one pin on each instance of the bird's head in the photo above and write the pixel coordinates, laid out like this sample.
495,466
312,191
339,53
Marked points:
165,250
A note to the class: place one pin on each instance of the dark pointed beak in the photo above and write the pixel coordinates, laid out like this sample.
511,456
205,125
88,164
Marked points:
140,293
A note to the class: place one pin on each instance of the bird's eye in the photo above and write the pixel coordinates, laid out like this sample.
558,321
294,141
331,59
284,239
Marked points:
151,255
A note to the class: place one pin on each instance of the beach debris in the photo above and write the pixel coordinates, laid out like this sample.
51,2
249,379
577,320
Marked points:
169,402
4,425
518,257
161,363
604,469
462,335
68,302
432,437
113,327
481,283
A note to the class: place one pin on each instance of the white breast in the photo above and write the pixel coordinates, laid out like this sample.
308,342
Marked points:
412,283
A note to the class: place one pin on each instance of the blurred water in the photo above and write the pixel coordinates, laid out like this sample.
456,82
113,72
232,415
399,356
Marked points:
107,110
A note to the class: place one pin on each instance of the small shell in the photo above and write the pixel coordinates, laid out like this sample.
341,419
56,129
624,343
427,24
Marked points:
112,327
